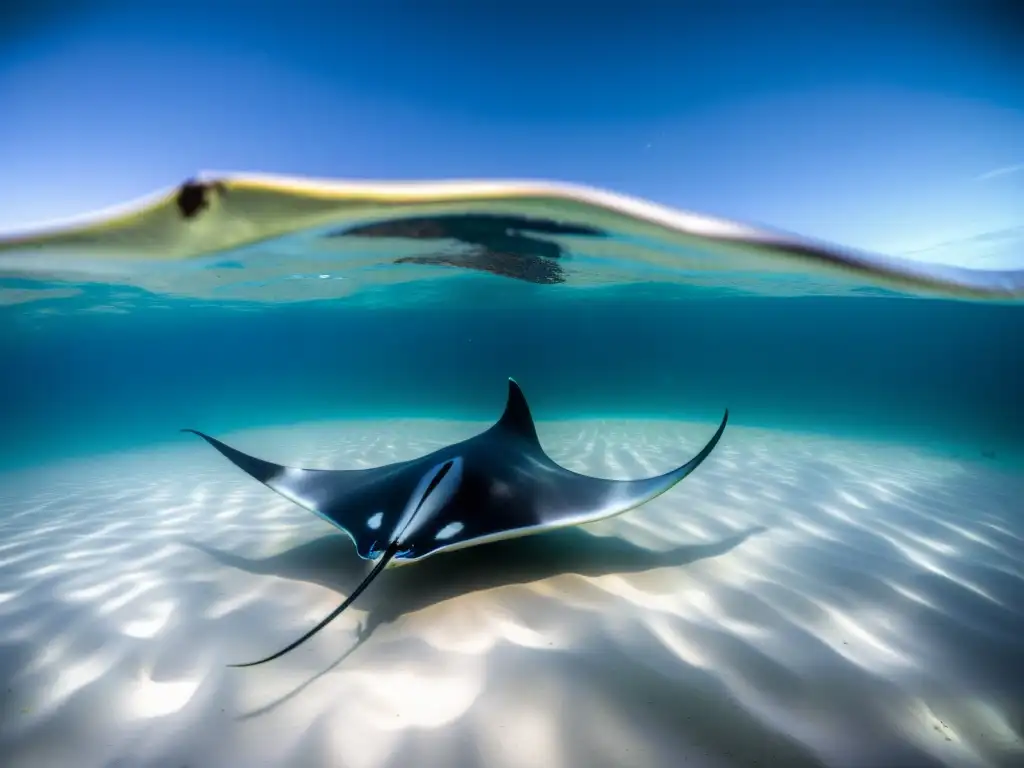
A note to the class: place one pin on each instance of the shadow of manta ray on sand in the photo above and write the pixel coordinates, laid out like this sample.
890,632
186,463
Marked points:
499,484
327,561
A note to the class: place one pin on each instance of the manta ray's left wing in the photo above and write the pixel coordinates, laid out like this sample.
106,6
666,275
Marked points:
363,503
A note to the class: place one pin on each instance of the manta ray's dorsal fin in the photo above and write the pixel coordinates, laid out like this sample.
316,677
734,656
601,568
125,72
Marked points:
516,418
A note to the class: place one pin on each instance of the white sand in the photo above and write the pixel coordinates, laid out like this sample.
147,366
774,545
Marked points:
875,621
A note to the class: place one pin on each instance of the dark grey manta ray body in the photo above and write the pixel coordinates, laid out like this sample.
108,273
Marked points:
496,485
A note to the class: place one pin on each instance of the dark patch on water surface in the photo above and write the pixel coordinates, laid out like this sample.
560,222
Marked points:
194,196
529,269
500,244
476,228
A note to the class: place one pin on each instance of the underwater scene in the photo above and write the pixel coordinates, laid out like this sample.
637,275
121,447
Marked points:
831,575
452,384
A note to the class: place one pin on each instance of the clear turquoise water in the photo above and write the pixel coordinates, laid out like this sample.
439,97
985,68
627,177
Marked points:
79,377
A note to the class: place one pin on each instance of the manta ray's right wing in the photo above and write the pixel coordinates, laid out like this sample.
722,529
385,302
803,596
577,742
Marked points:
362,503
553,496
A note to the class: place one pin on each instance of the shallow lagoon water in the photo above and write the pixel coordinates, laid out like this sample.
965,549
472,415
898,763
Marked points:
837,585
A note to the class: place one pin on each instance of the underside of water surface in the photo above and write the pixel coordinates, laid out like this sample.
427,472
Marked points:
249,300
838,584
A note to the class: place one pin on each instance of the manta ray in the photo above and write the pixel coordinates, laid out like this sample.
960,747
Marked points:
496,485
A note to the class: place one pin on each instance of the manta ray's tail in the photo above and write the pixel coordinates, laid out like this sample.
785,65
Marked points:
434,490
377,568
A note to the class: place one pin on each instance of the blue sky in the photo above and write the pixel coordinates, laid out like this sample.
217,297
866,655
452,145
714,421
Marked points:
896,126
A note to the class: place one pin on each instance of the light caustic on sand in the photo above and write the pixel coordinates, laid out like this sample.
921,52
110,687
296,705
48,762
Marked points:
797,599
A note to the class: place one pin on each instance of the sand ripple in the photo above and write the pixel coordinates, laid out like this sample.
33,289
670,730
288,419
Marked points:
796,601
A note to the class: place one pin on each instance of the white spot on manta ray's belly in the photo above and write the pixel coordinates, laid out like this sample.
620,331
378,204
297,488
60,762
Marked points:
374,522
448,531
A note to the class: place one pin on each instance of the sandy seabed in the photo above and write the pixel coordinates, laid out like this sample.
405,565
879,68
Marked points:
796,601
